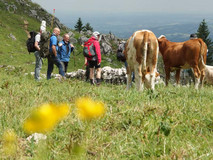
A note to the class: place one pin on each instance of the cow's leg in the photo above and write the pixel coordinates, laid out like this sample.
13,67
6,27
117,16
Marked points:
129,77
152,80
197,76
138,77
202,77
177,76
151,77
167,70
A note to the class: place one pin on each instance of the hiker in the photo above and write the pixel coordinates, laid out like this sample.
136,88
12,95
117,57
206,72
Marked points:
193,36
52,58
95,61
38,64
64,50
122,58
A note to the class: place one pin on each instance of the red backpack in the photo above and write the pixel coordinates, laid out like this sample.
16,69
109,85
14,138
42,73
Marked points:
89,49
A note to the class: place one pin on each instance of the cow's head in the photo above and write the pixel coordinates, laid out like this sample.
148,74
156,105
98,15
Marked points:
161,41
148,82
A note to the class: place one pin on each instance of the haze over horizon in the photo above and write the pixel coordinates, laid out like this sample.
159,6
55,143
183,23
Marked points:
124,17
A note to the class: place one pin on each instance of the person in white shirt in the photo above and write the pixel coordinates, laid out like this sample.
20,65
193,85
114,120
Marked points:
38,64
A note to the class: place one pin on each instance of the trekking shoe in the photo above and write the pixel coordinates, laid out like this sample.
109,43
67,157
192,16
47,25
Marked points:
92,82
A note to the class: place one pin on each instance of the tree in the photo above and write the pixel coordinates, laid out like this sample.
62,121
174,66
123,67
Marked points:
88,27
79,25
203,33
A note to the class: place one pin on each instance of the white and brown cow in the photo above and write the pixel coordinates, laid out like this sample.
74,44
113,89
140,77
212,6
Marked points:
141,52
183,55
208,74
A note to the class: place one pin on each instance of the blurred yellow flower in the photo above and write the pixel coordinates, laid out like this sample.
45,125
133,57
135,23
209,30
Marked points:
89,109
44,118
9,144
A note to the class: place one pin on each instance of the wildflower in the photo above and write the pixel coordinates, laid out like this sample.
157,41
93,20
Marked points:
9,140
45,118
89,109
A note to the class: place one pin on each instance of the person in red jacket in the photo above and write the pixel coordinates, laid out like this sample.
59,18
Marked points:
95,62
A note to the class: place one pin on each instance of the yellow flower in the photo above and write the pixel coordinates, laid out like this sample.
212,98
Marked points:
9,140
44,118
89,109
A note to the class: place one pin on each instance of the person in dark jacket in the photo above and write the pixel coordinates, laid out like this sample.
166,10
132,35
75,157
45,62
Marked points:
64,50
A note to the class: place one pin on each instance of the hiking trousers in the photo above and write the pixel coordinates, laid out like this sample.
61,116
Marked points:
51,61
38,65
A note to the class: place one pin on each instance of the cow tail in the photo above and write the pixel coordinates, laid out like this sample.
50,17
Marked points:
144,50
202,53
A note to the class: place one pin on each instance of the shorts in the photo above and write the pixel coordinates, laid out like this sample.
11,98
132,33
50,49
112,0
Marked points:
93,64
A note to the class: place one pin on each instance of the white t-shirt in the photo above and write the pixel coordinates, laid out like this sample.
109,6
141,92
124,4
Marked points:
38,37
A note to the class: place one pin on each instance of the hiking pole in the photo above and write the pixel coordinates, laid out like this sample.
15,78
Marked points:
74,57
52,19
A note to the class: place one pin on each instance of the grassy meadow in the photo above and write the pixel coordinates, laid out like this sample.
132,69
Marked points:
171,123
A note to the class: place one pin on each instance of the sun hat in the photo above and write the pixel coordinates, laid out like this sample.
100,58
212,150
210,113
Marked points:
192,36
43,26
96,34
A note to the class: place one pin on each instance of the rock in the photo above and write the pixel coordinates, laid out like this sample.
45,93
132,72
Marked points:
73,40
36,137
12,36
33,13
11,8
89,33
71,34
82,39
105,48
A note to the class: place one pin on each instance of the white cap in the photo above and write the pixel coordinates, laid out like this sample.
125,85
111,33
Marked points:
95,34
43,26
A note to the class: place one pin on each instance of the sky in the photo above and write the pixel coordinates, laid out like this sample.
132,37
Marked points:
126,6
125,16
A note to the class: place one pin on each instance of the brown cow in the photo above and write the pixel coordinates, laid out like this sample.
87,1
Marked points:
183,55
141,52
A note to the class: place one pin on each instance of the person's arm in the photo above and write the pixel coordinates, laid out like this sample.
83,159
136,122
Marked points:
98,51
54,43
72,47
37,39
37,46
85,61
54,50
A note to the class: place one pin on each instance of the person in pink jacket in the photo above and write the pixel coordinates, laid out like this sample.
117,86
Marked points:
95,62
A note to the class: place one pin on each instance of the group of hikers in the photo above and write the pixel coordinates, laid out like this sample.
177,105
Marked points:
59,55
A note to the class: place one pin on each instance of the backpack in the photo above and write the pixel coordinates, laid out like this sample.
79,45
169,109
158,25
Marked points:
31,42
120,55
44,44
89,49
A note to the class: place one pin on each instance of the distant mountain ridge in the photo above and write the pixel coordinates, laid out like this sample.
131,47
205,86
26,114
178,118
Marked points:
177,27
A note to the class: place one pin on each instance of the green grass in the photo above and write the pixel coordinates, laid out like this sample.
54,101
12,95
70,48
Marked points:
171,123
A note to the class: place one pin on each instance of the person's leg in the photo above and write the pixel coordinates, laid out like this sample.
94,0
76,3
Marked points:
91,76
98,74
38,65
91,69
49,68
58,63
65,66
87,72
